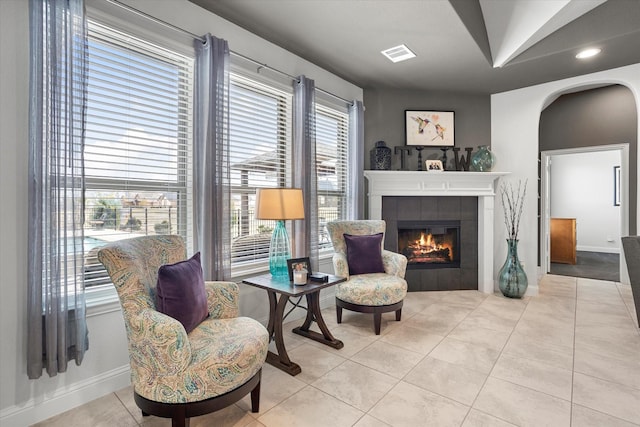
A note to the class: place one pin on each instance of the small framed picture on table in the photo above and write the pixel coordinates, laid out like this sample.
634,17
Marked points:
299,270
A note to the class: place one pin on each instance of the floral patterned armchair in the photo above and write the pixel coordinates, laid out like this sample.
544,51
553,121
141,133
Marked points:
375,293
174,374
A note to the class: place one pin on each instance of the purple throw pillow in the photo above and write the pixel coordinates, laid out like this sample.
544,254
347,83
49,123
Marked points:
364,253
180,292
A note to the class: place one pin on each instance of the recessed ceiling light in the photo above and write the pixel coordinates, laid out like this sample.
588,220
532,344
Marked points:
398,53
588,53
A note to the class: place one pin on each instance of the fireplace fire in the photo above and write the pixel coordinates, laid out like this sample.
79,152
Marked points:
427,249
430,244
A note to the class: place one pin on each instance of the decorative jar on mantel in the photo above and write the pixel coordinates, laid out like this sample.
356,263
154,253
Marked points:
381,157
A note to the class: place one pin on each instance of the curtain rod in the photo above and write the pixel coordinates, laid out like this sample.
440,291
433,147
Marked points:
294,78
154,19
197,37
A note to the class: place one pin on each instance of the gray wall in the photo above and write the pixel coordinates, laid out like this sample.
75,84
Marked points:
591,118
384,120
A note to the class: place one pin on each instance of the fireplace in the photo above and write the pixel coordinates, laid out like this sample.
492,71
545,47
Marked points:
448,259
418,195
430,244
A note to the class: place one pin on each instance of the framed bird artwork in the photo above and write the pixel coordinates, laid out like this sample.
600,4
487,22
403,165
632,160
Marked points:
429,128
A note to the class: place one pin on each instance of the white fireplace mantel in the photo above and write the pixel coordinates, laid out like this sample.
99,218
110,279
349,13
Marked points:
416,183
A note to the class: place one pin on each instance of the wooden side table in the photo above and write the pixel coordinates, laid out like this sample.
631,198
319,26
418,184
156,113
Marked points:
286,289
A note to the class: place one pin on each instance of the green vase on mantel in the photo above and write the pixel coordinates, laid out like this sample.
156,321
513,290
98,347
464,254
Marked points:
483,159
512,280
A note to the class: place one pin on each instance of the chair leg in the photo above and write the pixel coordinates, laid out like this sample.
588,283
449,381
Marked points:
179,421
255,398
339,314
377,321
398,315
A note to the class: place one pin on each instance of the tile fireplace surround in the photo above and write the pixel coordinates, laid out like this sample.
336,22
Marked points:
419,183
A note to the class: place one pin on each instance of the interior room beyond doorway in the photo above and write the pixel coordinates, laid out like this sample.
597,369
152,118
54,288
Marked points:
585,214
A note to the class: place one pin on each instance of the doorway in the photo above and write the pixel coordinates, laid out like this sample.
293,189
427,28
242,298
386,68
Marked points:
582,184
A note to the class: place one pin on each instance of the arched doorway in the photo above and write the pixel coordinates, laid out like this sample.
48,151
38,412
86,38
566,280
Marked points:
597,121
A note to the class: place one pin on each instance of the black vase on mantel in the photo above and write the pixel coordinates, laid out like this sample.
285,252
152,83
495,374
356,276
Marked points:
381,157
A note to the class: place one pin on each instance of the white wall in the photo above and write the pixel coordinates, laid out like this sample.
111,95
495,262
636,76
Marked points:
515,119
105,368
582,188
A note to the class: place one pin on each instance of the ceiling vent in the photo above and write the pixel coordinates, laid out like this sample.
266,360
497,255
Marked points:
398,53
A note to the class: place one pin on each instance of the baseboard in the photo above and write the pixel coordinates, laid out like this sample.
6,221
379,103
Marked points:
32,411
532,290
598,249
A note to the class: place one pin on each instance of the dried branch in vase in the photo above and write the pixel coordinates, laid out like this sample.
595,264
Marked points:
512,205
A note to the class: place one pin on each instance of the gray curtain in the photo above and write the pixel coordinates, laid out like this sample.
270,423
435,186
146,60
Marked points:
57,329
211,168
355,188
304,169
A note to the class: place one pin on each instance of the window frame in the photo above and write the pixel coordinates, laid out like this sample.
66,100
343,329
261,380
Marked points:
284,96
104,295
333,110
152,33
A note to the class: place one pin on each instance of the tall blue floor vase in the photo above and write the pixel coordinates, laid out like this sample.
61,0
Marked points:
512,279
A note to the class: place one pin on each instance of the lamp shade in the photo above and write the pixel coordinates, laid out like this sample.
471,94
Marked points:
279,203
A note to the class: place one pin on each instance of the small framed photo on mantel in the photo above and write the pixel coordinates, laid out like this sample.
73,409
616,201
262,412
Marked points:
429,128
433,165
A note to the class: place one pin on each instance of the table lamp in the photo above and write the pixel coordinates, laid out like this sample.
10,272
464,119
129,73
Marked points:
279,204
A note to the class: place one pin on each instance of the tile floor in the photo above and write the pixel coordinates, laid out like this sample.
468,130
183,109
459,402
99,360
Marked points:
568,357
592,265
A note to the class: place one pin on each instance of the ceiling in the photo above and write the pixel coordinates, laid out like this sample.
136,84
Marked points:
478,46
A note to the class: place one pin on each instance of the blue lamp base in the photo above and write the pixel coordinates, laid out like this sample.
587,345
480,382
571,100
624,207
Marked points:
279,251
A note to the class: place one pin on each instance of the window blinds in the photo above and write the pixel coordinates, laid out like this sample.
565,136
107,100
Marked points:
332,130
259,135
137,143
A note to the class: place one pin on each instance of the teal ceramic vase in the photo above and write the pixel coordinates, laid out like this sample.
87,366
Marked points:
512,279
483,159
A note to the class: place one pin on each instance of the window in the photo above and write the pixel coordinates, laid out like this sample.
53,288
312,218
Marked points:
260,141
260,145
332,130
137,152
